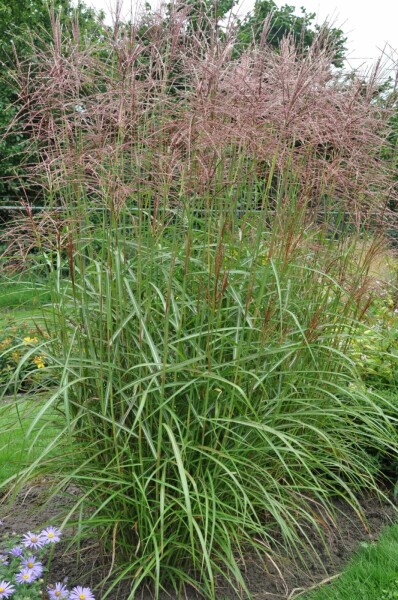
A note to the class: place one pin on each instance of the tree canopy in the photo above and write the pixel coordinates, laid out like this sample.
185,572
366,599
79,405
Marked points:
282,21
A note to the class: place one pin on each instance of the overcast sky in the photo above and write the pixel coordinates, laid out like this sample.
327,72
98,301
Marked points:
370,27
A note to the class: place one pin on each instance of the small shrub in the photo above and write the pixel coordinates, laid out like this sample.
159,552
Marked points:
375,347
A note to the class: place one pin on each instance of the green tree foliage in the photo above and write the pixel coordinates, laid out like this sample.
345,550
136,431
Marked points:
284,22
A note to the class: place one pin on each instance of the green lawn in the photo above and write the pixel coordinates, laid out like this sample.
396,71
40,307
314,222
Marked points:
21,299
372,574
18,316
21,294
17,449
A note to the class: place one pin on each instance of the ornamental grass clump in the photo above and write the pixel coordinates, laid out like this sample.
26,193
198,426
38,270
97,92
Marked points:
203,215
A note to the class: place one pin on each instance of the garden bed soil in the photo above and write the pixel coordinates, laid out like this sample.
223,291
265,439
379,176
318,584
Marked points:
287,580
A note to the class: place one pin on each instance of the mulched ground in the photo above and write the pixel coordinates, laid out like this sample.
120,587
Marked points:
29,512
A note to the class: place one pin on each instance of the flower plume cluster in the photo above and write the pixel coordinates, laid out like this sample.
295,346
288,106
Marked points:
161,111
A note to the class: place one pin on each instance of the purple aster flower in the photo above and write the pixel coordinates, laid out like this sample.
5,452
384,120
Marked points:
3,559
58,592
16,551
33,565
51,535
6,589
80,593
32,540
25,576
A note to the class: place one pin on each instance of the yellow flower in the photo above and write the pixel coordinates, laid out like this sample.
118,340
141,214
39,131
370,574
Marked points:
39,362
29,340
15,355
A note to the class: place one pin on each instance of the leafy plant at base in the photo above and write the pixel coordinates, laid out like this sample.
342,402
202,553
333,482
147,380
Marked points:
375,347
21,568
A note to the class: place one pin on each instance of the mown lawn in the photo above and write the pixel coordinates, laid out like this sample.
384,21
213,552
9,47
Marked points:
24,294
372,574
21,300
17,448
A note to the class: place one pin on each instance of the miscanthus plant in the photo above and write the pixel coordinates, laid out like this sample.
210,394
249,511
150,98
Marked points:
204,294
22,569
